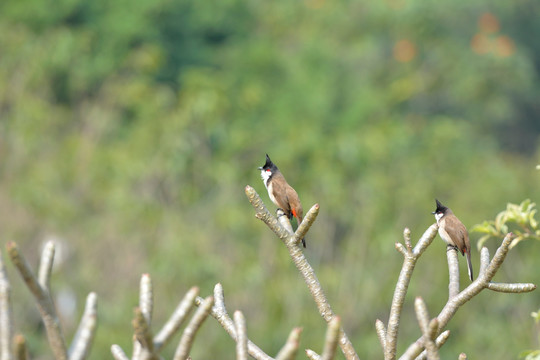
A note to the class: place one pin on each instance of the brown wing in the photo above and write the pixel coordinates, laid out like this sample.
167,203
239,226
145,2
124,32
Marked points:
459,235
280,189
294,203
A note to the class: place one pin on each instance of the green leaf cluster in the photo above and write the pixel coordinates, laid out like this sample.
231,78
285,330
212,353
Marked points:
517,218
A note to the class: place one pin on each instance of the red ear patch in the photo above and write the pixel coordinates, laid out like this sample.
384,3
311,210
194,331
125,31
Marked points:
268,170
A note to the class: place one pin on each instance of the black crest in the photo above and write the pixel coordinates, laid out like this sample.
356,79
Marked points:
441,209
268,164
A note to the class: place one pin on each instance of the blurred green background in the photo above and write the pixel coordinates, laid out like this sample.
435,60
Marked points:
128,130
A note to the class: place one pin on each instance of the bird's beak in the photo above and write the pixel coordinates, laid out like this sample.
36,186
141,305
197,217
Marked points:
433,212
260,168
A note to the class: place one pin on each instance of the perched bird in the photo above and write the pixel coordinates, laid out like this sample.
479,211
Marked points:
280,192
453,232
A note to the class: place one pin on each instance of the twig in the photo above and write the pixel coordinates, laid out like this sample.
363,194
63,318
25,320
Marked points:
289,350
182,351
300,261
410,256
21,353
241,336
219,312
6,317
331,339
176,319
45,265
44,302
82,341
118,353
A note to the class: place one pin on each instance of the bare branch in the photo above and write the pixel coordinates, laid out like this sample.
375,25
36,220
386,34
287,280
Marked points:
184,347
6,316
118,353
462,356
176,319
289,350
331,339
44,302
381,333
301,263
82,341
45,265
453,271
21,352
241,336
409,262
219,312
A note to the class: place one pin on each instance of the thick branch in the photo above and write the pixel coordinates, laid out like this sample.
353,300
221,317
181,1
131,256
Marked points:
301,263
44,302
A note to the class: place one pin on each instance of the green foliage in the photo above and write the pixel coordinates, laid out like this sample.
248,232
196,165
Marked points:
519,219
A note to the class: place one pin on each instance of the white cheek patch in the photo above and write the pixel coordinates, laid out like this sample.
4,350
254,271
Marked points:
438,216
265,175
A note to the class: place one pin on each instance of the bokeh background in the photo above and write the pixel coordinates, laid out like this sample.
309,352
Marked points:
128,130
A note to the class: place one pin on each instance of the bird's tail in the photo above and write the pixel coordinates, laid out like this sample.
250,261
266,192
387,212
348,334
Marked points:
469,264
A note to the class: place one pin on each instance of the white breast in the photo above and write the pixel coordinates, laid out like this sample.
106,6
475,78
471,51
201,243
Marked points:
442,232
271,193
